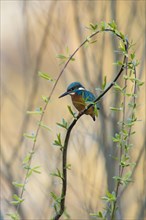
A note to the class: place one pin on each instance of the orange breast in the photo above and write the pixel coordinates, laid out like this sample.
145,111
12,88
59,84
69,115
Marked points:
80,104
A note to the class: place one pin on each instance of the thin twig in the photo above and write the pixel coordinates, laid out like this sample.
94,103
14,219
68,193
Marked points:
64,153
121,149
121,169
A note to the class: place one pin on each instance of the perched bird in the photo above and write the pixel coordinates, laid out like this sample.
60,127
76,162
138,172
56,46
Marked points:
81,98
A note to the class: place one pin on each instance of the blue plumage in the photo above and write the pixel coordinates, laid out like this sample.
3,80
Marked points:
81,98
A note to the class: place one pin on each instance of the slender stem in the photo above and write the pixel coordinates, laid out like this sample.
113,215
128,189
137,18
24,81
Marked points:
121,169
64,153
64,171
32,150
121,149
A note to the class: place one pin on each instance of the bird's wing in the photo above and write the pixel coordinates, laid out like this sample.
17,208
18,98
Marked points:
89,97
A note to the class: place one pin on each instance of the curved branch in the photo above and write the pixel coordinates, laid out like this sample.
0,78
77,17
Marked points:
66,141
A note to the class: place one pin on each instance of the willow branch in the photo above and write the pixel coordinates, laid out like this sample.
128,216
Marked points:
64,153
44,109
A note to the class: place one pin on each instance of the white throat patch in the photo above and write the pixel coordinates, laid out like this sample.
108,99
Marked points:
81,88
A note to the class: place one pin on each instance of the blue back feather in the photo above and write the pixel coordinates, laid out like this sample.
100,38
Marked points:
87,96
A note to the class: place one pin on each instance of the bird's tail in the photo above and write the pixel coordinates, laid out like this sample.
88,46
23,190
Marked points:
93,117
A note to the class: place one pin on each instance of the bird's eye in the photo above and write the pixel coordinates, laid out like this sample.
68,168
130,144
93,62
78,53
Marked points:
72,89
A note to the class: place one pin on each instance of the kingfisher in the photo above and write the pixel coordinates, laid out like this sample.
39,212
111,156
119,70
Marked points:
81,98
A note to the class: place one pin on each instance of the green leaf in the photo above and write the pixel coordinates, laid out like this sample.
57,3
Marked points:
16,197
36,169
122,46
41,124
66,215
68,166
116,109
118,63
71,112
17,200
103,25
132,55
58,142
98,214
38,111
28,157
126,77
113,25
138,81
95,110
118,179
93,26
109,196
127,178
58,174
105,198
124,163
93,42
64,124
72,59
117,87
117,138
31,170
128,94
133,79
45,76
135,63
131,121
55,197
45,98
86,45
62,57
132,105
88,39
122,35
29,173
19,185
67,50
131,44
104,83
13,216
30,136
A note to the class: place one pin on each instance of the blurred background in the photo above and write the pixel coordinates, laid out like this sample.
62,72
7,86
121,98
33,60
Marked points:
32,34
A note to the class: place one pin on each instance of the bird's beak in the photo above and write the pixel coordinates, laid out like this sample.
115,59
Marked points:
64,94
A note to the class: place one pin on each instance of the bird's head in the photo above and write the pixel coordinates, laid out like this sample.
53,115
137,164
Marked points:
72,89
